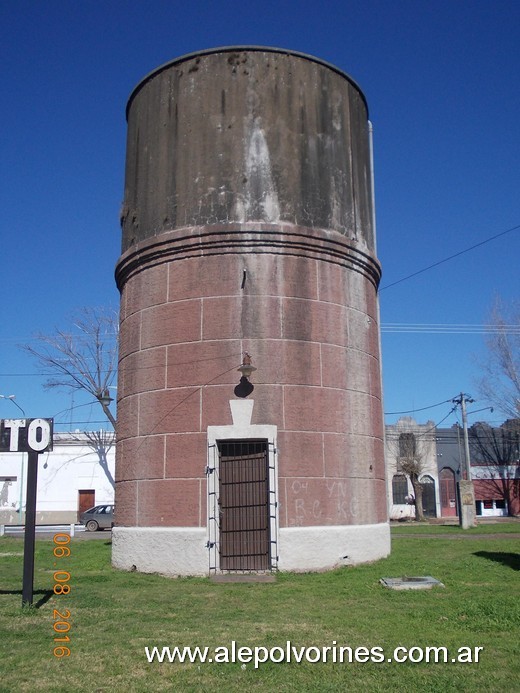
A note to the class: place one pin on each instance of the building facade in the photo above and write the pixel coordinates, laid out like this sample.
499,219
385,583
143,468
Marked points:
494,461
75,475
404,440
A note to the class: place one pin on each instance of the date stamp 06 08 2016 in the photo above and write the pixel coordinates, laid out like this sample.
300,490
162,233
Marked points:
61,625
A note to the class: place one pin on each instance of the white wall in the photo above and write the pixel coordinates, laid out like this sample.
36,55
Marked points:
72,465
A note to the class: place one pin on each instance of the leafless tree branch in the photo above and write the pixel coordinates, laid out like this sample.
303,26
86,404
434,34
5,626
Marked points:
500,380
498,449
84,358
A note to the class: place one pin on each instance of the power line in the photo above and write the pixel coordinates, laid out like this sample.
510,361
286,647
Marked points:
447,328
78,423
435,426
412,411
390,328
451,257
125,370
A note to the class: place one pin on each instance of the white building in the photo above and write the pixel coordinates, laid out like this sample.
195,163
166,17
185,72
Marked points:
77,474
400,491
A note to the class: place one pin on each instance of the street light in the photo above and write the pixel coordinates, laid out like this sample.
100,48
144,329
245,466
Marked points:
12,398
244,387
476,411
246,368
105,398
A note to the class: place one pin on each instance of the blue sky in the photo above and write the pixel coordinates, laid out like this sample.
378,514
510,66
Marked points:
442,83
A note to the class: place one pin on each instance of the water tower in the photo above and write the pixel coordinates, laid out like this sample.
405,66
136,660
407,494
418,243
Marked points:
248,237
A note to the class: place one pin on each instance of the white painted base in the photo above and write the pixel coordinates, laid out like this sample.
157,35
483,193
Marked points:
323,548
182,550
167,550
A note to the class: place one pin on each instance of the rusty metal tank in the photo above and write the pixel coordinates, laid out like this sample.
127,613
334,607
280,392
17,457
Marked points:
247,226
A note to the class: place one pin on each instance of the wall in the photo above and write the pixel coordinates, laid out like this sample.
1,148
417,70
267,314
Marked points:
71,466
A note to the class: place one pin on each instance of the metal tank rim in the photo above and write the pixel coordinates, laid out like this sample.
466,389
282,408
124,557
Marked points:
240,48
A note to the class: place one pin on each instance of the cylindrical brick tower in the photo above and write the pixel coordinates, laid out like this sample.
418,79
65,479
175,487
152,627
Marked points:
248,228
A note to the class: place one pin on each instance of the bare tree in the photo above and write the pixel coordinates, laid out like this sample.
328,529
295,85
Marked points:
410,461
84,358
500,381
498,450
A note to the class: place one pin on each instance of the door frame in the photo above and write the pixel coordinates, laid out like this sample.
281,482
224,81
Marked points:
241,429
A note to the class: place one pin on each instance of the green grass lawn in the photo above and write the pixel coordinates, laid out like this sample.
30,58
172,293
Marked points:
114,615
502,527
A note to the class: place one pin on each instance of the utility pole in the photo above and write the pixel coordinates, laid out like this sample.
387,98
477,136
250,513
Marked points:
467,464
468,516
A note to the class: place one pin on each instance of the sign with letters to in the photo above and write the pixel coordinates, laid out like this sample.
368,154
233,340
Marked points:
26,435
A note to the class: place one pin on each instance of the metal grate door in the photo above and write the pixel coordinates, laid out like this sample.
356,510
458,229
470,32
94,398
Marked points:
243,505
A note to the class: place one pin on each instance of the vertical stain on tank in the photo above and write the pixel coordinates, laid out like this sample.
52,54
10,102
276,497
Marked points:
261,197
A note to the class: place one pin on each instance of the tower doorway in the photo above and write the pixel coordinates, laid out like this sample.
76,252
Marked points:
243,505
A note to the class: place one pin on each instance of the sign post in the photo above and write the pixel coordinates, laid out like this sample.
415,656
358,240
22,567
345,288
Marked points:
32,436
30,530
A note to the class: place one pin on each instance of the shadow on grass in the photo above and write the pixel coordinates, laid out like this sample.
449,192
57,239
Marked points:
510,559
47,594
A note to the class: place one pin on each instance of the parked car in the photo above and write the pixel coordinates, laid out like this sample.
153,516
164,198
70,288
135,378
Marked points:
98,517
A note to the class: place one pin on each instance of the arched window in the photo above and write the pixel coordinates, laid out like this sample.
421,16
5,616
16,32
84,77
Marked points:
399,489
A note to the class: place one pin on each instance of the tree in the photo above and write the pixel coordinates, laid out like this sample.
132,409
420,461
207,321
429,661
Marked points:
410,461
500,381
84,358
498,449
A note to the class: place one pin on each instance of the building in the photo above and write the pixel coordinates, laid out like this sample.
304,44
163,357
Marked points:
248,233
75,475
404,440
450,456
495,469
